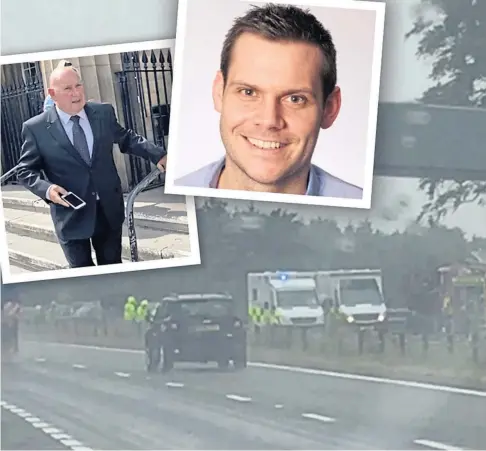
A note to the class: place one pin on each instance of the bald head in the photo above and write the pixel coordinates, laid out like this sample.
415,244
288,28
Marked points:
59,74
66,89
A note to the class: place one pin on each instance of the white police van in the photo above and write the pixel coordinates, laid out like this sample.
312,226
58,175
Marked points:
293,295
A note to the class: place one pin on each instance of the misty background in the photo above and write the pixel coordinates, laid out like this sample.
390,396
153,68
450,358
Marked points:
239,236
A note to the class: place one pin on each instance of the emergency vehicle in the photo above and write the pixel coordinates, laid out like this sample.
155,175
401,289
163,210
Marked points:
293,295
356,295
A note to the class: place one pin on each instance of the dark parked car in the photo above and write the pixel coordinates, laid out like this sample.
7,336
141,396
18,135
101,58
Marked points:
196,328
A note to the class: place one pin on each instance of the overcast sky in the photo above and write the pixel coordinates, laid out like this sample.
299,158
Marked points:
404,78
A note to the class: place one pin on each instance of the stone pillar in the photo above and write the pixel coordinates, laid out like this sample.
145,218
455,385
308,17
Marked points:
106,66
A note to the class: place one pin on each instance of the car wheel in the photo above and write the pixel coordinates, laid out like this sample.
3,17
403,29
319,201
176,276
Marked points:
152,359
240,360
223,364
240,364
148,360
167,361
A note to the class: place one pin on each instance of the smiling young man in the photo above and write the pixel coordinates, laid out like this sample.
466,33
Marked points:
275,90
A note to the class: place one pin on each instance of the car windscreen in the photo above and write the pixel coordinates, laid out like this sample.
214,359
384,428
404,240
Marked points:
297,298
360,291
206,308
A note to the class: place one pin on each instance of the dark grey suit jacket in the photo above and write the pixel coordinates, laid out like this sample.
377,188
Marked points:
47,147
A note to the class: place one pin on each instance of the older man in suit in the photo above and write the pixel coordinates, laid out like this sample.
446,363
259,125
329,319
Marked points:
72,144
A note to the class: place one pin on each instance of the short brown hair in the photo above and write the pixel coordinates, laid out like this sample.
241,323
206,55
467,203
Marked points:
284,22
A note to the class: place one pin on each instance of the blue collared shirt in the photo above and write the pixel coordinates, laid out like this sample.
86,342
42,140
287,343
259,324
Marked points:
320,182
67,124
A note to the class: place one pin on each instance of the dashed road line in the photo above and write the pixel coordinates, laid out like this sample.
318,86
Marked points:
31,419
53,432
437,445
238,398
316,416
60,436
174,384
303,370
75,445
125,375
50,430
71,443
40,425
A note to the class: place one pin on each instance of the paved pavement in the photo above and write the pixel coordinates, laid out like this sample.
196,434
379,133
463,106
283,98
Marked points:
161,223
105,399
150,203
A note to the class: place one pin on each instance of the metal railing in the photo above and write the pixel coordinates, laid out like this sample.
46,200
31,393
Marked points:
144,85
8,174
21,99
143,184
326,347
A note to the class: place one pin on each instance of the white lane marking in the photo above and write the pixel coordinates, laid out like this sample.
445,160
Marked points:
71,443
437,445
40,425
122,374
380,380
316,416
61,436
78,366
174,384
52,431
46,428
238,398
40,360
311,371
278,406
32,419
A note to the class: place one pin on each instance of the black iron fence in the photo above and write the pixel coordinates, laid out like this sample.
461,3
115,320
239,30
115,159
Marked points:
144,85
20,102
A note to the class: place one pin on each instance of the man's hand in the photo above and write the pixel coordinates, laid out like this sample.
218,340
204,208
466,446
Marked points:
162,164
55,192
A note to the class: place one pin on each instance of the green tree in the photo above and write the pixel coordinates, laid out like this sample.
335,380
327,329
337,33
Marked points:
452,34
325,237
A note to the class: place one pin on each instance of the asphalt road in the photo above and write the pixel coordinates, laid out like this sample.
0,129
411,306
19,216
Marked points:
105,399
17,433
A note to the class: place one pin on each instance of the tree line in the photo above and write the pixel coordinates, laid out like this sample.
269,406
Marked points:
230,248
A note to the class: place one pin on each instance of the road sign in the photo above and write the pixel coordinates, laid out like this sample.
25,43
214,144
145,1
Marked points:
417,140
